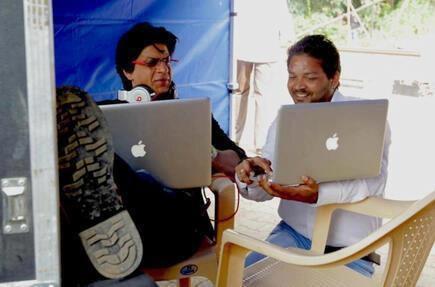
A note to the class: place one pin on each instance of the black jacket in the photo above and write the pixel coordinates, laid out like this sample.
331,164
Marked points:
222,142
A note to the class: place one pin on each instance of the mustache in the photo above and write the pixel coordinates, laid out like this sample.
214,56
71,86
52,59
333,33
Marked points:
300,91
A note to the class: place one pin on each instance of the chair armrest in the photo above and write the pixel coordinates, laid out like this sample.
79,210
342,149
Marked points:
373,206
289,255
235,247
377,206
224,191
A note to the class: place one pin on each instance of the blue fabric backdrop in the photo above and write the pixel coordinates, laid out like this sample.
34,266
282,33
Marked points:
86,33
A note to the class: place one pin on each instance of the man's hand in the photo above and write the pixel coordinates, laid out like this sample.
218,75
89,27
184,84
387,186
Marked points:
225,162
252,165
307,192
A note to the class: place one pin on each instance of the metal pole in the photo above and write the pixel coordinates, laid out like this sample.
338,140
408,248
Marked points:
232,71
349,28
43,142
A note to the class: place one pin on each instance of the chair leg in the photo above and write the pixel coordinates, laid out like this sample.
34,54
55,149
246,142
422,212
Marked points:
184,282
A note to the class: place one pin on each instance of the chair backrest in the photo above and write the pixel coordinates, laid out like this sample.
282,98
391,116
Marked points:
411,243
410,233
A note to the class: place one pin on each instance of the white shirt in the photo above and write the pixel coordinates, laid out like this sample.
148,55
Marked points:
346,228
260,27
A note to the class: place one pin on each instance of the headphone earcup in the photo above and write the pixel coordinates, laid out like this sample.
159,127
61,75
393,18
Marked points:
136,95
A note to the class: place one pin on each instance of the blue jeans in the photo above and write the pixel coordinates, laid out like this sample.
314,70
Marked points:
285,236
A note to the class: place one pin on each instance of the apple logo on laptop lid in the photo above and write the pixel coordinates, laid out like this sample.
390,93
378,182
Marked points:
332,142
138,150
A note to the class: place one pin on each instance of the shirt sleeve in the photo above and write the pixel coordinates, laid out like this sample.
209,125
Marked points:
254,191
358,189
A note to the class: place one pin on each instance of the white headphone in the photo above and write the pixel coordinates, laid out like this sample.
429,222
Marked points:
136,95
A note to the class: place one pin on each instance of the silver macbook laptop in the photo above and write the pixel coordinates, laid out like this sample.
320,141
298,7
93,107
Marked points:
170,139
329,141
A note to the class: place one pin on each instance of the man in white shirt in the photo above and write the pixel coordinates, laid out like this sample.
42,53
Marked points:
314,74
261,27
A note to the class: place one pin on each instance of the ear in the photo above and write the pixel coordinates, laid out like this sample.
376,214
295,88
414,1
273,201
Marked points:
128,75
335,81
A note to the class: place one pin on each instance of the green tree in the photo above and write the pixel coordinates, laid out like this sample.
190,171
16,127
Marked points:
383,21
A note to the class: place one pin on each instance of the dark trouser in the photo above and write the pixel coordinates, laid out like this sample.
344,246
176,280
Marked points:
137,281
171,223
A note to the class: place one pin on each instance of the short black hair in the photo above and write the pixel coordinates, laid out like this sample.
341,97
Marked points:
132,42
318,47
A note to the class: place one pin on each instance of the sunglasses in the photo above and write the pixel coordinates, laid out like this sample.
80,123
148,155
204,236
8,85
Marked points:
153,62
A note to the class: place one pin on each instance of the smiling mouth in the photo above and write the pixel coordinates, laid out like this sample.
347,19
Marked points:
300,96
162,81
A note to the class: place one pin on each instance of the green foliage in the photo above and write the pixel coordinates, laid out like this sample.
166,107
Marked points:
386,23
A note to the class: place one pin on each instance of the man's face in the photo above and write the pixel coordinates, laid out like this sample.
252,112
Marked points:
152,68
307,82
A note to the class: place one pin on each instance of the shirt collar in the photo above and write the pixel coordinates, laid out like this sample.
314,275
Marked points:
337,97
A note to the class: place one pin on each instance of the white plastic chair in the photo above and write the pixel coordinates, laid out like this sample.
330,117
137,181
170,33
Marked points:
204,262
410,234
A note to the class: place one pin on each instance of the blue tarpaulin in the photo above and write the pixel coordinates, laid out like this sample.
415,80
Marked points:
86,33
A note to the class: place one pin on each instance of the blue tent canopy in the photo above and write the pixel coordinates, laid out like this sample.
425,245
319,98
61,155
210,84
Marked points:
86,33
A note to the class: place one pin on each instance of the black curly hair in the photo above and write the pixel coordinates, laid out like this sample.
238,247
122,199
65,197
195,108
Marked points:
318,47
